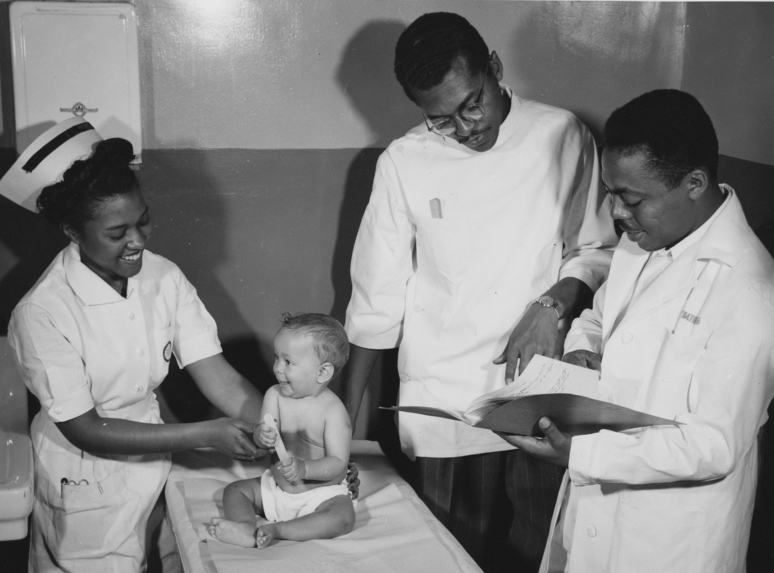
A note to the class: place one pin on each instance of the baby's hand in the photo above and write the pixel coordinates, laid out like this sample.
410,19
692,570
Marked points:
293,470
264,436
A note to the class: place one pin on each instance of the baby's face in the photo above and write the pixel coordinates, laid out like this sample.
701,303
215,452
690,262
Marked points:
296,365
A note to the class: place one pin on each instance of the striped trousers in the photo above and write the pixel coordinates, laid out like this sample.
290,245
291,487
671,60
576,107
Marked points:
497,505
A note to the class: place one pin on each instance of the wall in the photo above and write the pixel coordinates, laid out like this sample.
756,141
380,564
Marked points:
262,121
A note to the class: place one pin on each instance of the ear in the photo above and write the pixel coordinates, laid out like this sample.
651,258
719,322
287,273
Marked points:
697,182
71,233
496,66
325,373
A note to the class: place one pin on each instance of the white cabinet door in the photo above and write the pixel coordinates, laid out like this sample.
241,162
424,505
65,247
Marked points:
73,57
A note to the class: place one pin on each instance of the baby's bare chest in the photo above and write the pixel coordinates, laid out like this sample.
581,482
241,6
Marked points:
302,424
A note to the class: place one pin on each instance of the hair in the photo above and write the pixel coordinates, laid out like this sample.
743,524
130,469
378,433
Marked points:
329,339
671,129
89,182
427,48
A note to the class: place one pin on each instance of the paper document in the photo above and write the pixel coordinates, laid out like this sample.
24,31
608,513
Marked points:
564,392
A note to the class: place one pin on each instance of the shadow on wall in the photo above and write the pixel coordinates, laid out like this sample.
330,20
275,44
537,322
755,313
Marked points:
366,77
28,244
189,228
591,58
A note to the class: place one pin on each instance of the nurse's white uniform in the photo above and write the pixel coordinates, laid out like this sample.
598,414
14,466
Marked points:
81,345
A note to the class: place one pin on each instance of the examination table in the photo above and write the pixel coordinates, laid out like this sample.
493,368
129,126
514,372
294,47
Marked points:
394,531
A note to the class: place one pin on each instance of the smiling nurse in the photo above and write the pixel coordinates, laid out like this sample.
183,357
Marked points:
94,338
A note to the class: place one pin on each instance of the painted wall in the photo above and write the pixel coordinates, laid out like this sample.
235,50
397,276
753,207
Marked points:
317,74
290,74
262,121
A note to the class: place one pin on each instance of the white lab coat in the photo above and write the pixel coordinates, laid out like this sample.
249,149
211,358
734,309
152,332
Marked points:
80,345
455,245
674,499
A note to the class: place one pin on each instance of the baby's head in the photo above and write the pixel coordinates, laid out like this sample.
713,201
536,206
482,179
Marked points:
309,350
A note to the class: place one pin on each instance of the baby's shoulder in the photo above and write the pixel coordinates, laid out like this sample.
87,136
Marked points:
332,405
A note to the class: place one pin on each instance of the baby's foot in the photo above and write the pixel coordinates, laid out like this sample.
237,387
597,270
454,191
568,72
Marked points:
265,534
233,532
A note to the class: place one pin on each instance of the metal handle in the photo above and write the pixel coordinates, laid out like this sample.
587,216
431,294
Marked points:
79,109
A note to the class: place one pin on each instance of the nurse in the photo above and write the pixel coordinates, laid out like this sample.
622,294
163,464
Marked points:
93,338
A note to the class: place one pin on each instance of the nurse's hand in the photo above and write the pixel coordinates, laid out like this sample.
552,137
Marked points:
554,447
585,359
231,437
536,333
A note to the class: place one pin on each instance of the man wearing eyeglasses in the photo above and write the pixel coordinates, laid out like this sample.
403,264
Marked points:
486,227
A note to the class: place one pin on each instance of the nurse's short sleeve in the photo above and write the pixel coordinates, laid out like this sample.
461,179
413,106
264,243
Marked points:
196,335
50,366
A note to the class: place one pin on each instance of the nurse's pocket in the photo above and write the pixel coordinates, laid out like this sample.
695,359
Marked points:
90,520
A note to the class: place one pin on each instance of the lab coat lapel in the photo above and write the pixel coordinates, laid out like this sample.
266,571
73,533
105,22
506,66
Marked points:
675,282
719,242
627,264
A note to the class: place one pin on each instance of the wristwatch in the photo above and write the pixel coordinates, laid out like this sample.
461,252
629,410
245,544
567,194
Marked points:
547,301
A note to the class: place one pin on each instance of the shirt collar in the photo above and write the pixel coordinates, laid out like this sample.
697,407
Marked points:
699,233
86,284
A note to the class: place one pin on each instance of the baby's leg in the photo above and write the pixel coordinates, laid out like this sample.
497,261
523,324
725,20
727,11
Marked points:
334,517
241,500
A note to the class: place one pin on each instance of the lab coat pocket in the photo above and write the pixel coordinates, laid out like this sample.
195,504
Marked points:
656,530
668,391
444,246
90,520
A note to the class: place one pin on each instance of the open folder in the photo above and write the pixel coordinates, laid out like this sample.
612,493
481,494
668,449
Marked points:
563,392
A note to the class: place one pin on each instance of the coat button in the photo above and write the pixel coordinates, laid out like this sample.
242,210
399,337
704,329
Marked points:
139,352
627,337
138,388
131,316
591,532
58,410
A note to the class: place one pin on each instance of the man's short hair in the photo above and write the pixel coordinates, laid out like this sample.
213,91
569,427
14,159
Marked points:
329,339
427,48
671,128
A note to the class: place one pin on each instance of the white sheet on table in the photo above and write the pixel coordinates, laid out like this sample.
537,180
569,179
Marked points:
389,536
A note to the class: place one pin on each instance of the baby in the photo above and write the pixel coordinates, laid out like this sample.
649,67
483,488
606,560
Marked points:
302,496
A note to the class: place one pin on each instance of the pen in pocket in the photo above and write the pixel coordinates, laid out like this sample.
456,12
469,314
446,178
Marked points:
435,209
65,481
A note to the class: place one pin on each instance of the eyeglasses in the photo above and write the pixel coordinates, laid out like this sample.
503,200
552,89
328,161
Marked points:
471,113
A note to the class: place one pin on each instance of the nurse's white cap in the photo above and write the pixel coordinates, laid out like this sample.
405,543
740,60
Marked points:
46,159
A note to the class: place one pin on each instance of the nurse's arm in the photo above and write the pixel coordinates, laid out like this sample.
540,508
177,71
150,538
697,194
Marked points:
538,330
354,379
227,389
96,435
